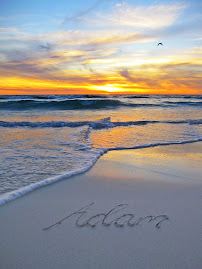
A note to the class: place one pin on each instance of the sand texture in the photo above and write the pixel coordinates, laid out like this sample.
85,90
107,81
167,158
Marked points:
135,209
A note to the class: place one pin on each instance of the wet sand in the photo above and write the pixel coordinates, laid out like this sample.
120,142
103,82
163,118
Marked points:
109,216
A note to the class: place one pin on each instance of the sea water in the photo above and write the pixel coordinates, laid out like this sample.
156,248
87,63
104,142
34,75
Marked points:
46,138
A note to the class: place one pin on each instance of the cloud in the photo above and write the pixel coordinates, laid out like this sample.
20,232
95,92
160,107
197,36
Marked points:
152,17
176,76
8,29
179,29
124,73
105,53
82,13
142,79
64,50
193,51
46,47
197,39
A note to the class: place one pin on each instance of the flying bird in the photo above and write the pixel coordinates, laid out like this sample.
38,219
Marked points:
160,44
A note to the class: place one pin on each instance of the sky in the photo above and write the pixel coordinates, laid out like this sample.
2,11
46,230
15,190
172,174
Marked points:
100,47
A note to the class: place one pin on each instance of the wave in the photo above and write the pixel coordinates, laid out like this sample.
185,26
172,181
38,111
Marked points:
67,96
184,103
59,105
71,104
99,124
156,144
48,97
137,96
30,97
20,192
191,96
81,102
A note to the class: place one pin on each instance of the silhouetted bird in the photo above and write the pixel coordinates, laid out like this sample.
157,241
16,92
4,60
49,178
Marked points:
160,44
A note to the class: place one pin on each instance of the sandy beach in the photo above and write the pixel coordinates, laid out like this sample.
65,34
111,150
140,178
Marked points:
135,209
100,134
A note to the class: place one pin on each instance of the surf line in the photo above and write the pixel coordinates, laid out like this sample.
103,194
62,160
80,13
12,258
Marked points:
107,219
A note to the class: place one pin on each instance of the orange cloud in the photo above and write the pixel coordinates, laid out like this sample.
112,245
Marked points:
167,78
117,53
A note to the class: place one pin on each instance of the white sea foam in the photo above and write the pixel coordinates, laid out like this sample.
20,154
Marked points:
22,191
97,153
157,144
47,138
98,124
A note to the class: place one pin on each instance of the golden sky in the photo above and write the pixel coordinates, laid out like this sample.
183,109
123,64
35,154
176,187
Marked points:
93,47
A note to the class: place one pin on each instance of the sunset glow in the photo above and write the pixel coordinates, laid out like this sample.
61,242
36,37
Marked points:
100,47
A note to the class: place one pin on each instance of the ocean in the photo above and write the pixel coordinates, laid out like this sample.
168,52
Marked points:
44,139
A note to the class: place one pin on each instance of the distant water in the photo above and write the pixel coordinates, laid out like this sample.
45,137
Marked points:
46,138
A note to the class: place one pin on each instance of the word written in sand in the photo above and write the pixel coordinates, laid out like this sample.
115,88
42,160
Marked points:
114,217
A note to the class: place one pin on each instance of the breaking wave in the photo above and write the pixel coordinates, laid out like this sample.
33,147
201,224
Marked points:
71,104
89,102
22,191
99,124
74,141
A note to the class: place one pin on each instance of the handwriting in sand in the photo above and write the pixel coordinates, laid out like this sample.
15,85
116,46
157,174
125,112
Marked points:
114,216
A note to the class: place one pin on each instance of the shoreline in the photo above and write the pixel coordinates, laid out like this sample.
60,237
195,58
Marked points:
152,182
8,197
